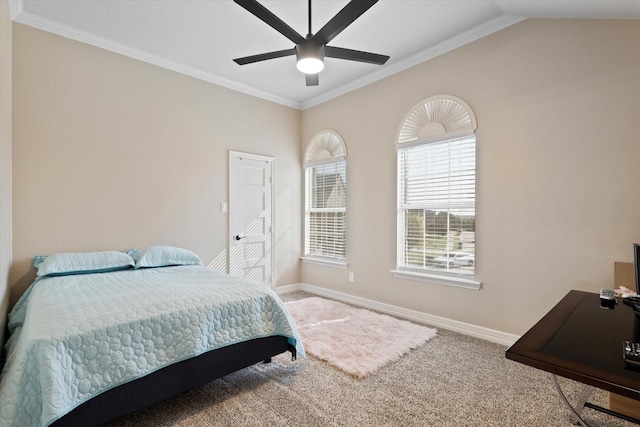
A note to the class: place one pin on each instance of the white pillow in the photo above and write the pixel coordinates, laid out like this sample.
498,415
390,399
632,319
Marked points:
163,256
82,263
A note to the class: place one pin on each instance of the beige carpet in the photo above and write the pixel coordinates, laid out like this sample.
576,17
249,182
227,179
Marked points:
355,340
453,381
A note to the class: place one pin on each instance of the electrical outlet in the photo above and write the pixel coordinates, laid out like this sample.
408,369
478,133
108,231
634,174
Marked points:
351,277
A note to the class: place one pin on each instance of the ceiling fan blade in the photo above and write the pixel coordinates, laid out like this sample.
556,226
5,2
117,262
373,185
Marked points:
270,19
264,56
354,55
346,16
312,79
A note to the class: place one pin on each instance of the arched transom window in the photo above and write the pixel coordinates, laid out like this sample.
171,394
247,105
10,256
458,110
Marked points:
436,149
325,199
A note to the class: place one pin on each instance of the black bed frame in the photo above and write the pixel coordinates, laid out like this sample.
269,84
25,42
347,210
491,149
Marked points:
174,379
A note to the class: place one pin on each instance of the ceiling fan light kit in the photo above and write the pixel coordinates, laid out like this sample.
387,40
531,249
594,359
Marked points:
310,56
311,51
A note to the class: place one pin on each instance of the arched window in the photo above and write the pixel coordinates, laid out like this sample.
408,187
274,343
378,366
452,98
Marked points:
325,199
436,150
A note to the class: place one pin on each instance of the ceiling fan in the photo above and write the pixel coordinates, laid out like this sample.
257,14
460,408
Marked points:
312,50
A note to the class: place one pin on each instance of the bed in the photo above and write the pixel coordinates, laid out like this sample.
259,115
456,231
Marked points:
99,335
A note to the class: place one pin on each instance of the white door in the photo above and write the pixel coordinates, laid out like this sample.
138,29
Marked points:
251,217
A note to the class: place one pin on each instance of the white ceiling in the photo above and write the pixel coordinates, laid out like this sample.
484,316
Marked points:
200,38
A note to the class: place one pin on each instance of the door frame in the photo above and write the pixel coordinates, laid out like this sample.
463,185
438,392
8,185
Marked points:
232,207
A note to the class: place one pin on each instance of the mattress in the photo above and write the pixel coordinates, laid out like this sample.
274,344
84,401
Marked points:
74,337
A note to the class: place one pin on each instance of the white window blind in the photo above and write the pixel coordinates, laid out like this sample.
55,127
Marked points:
326,187
436,217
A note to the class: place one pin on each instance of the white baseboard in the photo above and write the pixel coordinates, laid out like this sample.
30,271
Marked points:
487,334
288,288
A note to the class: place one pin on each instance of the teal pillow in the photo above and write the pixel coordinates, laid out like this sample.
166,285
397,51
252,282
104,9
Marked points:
64,264
163,256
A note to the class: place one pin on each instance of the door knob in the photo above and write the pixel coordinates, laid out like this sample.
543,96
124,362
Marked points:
239,237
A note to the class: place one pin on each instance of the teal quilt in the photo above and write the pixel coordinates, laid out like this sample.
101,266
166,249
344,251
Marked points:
74,337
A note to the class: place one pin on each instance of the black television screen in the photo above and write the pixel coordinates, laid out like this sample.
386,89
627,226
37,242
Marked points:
636,265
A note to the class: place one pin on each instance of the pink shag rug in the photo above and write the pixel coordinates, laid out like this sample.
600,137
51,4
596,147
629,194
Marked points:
355,340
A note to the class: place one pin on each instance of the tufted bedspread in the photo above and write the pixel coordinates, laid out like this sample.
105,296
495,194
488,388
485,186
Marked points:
74,337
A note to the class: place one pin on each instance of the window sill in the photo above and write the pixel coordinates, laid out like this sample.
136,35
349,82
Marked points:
439,279
325,262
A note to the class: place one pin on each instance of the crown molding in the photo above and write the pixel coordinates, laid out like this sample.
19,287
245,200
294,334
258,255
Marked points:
16,7
19,15
31,20
462,39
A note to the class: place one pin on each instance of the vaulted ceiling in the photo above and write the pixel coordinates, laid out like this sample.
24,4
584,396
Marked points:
201,38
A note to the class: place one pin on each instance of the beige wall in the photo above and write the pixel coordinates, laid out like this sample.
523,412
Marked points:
5,162
111,153
558,169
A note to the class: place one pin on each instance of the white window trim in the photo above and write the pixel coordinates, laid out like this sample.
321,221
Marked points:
422,141
409,135
319,259
440,279
324,143
337,159
328,262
